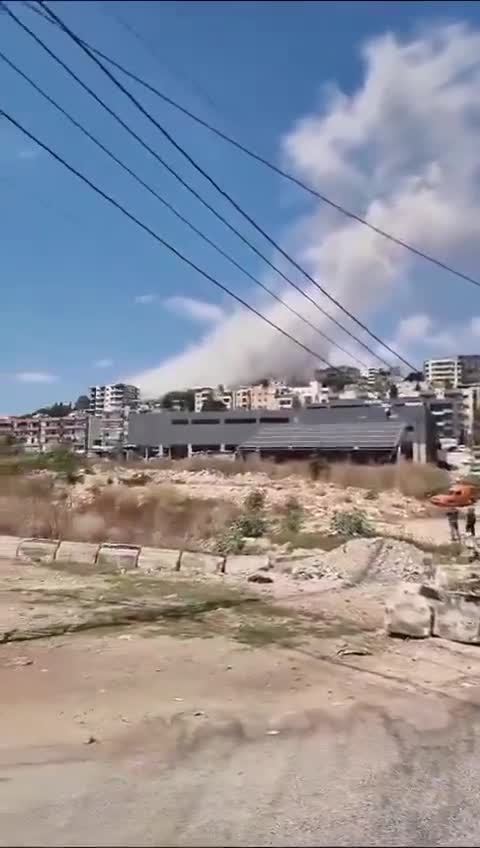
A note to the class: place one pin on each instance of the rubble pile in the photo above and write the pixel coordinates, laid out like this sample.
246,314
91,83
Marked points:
359,560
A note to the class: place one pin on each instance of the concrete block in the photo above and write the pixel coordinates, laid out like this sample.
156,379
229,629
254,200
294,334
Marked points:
158,559
9,546
38,550
238,565
458,577
408,613
198,563
118,557
81,552
458,619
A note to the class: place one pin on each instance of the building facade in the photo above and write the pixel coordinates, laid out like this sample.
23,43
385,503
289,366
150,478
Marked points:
113,398
455,371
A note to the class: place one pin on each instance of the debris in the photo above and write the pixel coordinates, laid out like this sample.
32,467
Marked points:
354,652
199,713
273,732
92,740
178,699
260,578
18,661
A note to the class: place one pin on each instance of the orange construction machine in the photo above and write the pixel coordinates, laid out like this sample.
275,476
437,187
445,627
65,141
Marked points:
462,494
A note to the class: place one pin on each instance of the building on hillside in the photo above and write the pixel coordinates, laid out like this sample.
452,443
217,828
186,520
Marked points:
242,397
178,435
107,433
206,393
44,432
455,371
113,398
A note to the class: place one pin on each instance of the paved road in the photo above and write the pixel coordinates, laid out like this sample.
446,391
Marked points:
365,778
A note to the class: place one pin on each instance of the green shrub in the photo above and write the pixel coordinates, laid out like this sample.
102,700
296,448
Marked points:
255,500
292,515
351,523
230,540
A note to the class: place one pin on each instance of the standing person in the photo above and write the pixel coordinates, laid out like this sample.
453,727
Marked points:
470,521
452,516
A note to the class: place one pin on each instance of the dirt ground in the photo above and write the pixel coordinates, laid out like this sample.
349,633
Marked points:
254,721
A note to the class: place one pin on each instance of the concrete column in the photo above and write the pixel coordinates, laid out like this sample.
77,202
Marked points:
422,452
222,448
189,451
160,450
146,453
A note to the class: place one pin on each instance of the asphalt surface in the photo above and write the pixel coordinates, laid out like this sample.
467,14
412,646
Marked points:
364,778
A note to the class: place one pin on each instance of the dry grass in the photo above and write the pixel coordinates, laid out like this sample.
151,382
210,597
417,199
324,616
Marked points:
157,516
411,479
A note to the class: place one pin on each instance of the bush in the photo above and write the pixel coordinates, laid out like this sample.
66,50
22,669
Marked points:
292,515
254,501
230,540
351,523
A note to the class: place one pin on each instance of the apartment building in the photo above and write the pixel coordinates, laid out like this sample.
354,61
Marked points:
219,394
455,371
43,432
113,398
107,433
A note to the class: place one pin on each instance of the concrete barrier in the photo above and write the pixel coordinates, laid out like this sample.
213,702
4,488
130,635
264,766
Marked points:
158,559
239,565
457,618
84,553
408,613
195,563
9,546
118,557
37,550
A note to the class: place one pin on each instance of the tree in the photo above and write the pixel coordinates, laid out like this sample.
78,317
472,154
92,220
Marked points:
296,402
414,377
393,391
182,400
82,403
56,410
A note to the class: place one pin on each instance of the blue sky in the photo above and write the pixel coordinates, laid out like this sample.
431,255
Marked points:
86,297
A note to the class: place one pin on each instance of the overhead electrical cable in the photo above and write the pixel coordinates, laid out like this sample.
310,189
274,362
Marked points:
267,162
217,186
159,238
170,206
192,191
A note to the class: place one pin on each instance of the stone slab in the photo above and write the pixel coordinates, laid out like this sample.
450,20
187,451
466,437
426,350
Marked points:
458,577
38,550
84,553
199,563
408,613
118,557
158,559
457,619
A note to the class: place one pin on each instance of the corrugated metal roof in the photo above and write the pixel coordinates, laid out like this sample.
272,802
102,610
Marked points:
369,435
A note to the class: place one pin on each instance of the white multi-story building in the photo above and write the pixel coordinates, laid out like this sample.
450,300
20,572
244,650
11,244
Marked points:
113,398
454,371
207,392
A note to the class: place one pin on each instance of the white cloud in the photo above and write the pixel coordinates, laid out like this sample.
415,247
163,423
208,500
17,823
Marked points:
198,310
145,298
103,363
28,153
402,151
35,377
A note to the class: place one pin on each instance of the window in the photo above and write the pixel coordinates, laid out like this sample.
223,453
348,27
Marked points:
179,421
206,421
240,421
275,419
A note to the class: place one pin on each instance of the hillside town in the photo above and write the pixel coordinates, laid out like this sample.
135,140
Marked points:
114,419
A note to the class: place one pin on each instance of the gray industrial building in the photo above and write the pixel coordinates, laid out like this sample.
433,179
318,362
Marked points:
341,430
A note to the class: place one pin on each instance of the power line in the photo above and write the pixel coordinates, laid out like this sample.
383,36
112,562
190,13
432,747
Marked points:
192,191
168,205
271,165
161,240
221,191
